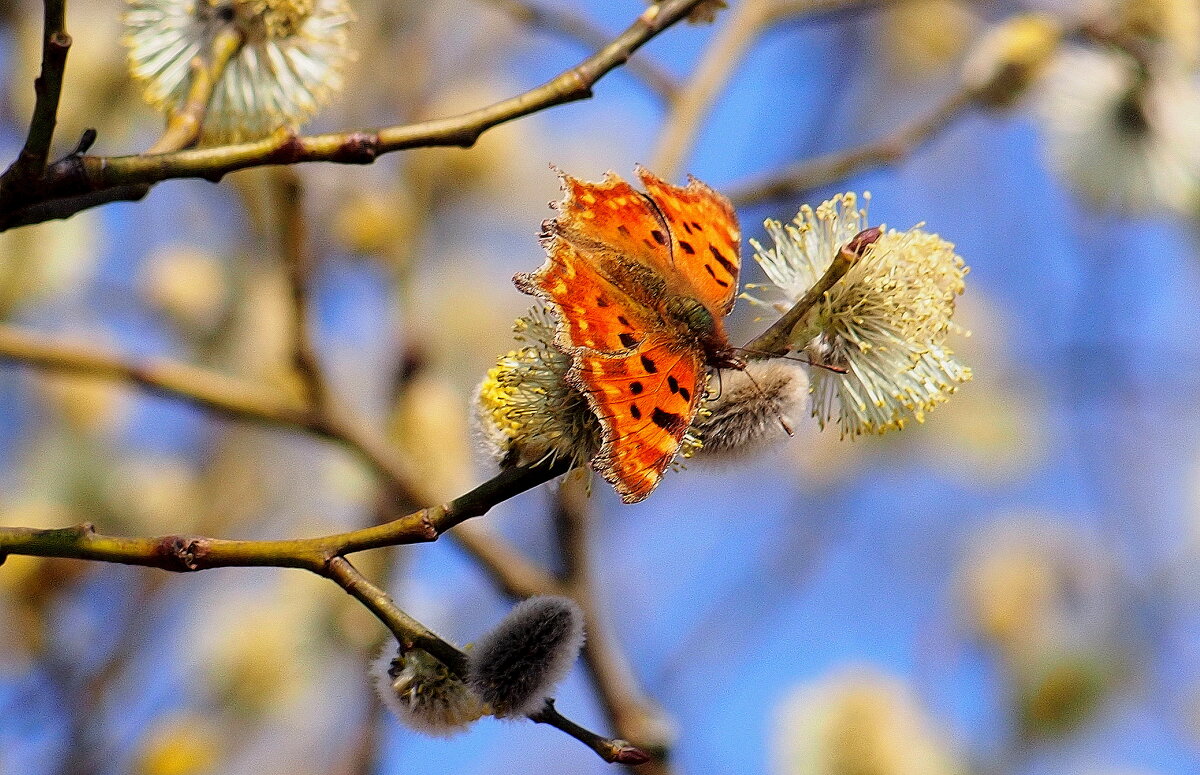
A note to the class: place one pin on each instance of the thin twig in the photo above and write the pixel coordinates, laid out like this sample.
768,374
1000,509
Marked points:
298,262
745,23
612,751
564,23
31,162
76,176
183,553
776,340
632,714
408,631
185,124
807,175
741,28
214,392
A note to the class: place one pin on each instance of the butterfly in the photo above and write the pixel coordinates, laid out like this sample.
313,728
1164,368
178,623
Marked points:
640,283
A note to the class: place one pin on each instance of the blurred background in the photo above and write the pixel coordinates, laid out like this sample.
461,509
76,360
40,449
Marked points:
1007,588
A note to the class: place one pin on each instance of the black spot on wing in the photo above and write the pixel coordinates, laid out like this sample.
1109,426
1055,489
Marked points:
635,412
600,302
673,384
659,237
725,262
627,339
623,229
635,387
649,365
687,248
685,394
713,275
668,421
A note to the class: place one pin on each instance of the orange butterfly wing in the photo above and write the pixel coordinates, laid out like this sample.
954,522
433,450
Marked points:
689,236
705,239
646,400
593,313
613,256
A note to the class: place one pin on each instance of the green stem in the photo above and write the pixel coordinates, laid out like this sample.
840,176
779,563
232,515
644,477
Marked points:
776,340
181,553
185,124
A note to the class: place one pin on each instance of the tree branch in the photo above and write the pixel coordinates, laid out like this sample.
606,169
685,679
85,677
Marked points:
75,176
298,263
807,175
180,553
743,26
55,44
572,26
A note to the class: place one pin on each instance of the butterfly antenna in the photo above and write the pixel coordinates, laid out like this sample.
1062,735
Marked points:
815,364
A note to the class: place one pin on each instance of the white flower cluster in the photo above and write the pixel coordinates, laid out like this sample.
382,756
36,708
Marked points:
878,335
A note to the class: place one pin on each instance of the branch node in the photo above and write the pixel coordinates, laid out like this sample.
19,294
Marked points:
427,527
289,151
358,148
186,552
60,39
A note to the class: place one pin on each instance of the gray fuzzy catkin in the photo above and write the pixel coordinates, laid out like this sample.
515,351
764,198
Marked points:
515,667
747,414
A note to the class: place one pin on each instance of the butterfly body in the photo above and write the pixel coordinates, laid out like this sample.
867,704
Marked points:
641,283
